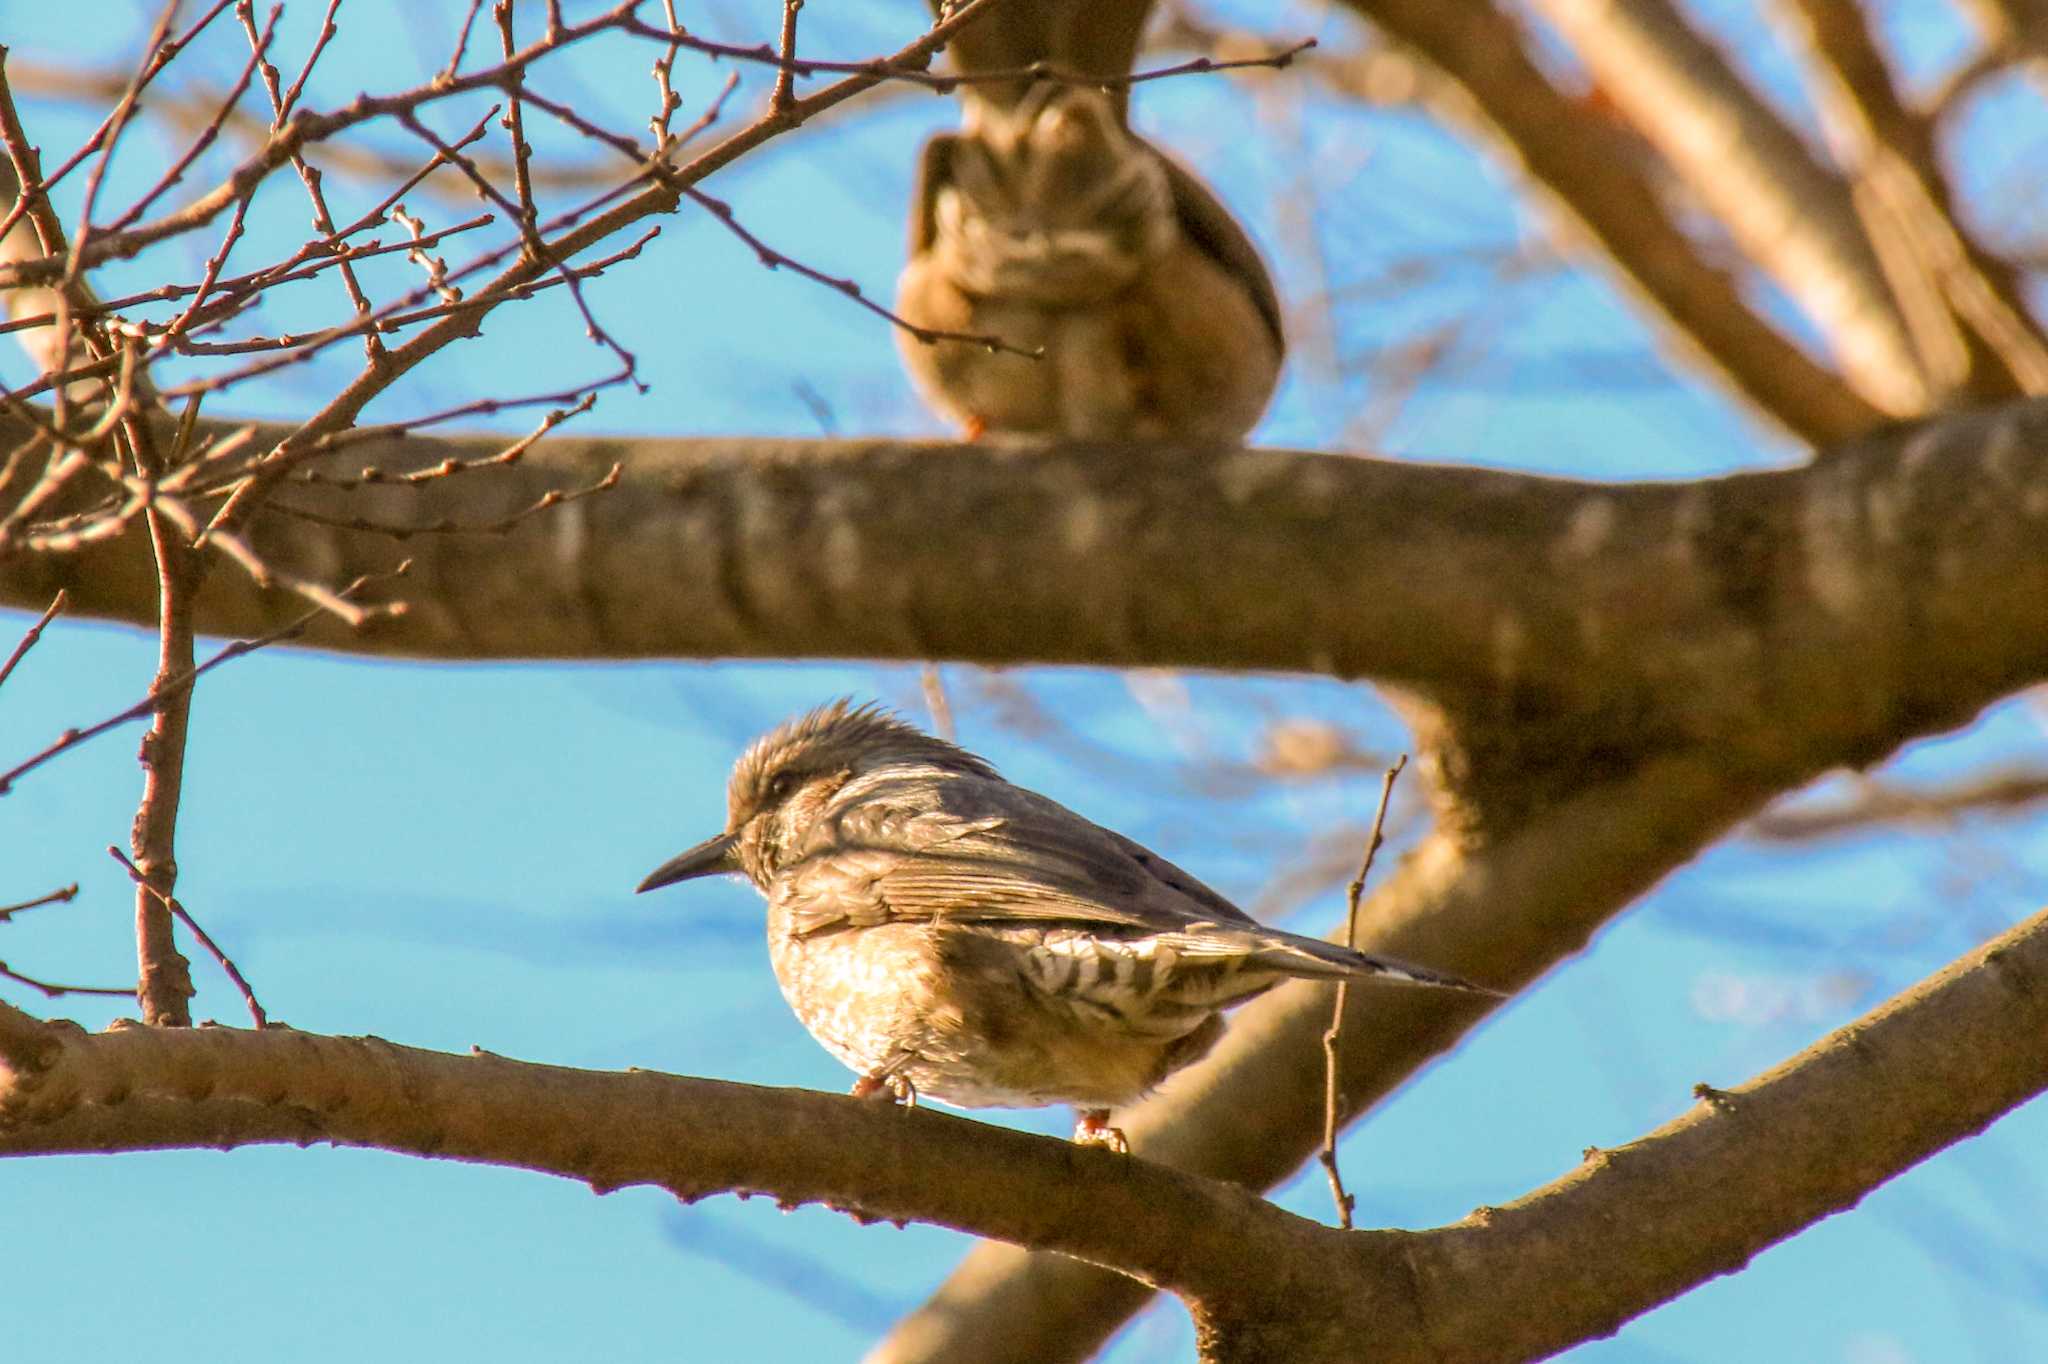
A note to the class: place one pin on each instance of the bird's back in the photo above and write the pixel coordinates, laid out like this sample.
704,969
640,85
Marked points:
992,928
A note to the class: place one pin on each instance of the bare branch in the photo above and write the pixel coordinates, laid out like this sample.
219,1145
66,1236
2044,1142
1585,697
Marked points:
776,260
1892,151
1592,176
1792,216
32,634
307,127
71,738
164,984
781,98
50,990
281,108
126,89
63,895
1627,1230
1345,1202
1874,803
183,916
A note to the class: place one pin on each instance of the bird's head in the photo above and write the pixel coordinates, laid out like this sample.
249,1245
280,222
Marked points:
787,777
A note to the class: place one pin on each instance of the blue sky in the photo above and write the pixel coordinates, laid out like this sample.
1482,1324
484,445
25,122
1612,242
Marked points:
444,855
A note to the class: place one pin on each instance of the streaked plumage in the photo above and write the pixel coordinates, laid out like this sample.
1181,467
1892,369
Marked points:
942,930
1046,223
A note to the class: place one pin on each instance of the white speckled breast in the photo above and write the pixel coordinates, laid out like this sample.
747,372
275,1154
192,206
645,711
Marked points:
958,1012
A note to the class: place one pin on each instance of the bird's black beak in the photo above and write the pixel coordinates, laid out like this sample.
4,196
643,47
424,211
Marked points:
708,858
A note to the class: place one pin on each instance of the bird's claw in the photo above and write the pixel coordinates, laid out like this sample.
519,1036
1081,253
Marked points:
1092,1128
894,1088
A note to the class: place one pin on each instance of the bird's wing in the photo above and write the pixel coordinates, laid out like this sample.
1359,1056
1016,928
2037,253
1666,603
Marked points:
969,850
934,172
1218,234
974,851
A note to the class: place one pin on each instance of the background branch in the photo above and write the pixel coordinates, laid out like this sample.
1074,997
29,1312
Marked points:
1791,215
1599,181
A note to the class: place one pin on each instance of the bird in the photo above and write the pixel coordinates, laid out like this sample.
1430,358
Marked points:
1128,302
947,934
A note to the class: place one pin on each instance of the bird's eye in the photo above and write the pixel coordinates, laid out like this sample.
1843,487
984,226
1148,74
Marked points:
781,786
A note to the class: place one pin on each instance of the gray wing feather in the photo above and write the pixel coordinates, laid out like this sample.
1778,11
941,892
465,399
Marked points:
970,850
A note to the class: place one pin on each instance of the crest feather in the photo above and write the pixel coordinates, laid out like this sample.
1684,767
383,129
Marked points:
840,735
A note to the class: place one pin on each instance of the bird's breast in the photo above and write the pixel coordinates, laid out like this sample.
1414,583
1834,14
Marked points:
859,991
978,1017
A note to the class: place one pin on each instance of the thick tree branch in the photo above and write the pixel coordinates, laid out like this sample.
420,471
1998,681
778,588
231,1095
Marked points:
1500,902
1503,916
1620,673
1746,1167
134,1088
1629,1229
1803,587
1637,1225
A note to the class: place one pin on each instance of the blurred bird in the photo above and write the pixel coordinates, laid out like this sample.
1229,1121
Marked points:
947,934
1047,223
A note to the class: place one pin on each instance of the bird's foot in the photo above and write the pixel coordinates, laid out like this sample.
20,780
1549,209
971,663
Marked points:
896,1089
1091,1128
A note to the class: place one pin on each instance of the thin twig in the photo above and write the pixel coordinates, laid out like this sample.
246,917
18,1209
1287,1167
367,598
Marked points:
72,738
570,402
268,575
935,701
56,991
208,133
184,916
667,100
280,105
536,246
302,129
164,980
449,72
776,260
117,123
945,83
160,56
328,28
1345,1202
785,75
547,501
514,124
64,895
35,632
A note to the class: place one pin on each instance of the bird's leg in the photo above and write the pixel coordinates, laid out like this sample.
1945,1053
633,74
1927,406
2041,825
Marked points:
1091,1128
896,1088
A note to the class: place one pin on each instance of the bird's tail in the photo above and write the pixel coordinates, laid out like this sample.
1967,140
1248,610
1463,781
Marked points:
1291,954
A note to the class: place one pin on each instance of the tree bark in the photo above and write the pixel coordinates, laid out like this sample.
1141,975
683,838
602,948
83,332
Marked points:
1605,677
1632,1227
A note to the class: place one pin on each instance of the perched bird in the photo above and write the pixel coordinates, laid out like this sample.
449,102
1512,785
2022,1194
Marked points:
947,934
1046,223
